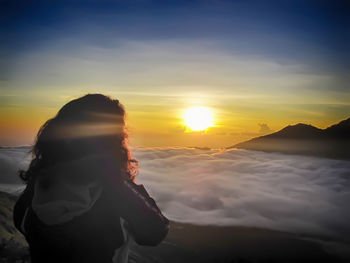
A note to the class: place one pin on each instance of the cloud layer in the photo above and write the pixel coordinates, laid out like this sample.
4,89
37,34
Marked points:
11,160
239,187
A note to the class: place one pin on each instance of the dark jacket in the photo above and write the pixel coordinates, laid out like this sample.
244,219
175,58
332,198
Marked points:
92,230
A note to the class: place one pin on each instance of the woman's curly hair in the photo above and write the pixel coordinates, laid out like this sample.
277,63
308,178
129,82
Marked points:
92,124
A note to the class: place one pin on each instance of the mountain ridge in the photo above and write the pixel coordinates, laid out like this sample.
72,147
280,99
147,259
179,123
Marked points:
305,139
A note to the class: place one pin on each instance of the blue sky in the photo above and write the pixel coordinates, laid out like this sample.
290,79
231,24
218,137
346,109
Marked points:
314,32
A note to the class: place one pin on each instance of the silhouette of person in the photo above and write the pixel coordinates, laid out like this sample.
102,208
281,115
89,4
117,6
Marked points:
81,202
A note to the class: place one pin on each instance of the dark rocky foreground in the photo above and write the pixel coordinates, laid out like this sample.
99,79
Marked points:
192,243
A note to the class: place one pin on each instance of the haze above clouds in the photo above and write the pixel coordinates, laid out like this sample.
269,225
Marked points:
237,187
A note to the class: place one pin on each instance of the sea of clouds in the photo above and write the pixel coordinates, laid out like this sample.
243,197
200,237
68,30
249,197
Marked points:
236,187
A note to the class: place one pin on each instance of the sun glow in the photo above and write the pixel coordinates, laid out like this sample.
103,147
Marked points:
198,118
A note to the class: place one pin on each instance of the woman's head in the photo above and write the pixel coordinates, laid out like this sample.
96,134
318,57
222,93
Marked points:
90,125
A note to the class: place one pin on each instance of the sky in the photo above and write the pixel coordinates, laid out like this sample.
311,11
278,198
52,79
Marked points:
257,65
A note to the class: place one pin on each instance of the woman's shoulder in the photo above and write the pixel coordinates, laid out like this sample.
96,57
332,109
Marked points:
63,191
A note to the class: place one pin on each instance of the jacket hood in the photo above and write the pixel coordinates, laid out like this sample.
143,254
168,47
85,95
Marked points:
74,188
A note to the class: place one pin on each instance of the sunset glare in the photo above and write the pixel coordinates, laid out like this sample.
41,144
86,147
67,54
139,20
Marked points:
198,118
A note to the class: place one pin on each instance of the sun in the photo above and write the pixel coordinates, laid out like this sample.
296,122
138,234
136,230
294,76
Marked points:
198,118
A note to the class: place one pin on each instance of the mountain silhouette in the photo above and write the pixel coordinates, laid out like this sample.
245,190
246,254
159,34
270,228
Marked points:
339,131
332,142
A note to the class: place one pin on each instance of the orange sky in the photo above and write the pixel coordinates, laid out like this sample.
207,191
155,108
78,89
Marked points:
158,120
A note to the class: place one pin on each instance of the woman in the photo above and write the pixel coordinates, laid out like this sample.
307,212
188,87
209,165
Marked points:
81,203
